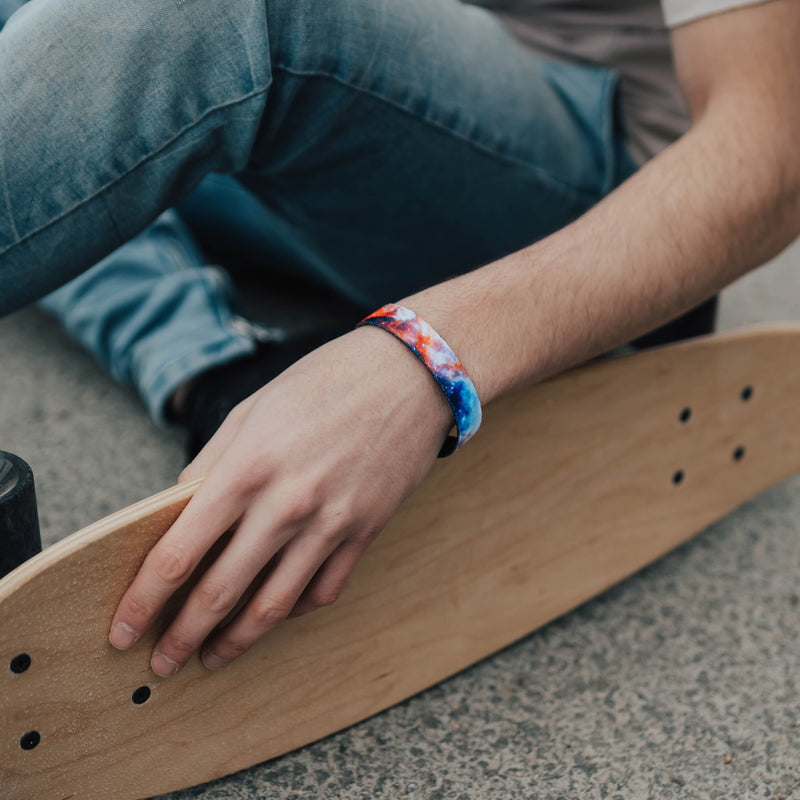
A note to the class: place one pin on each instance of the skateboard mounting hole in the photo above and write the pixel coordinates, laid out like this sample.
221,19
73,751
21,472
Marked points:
20,663
747,393
686,414
30,740
738,453
141,695
678,477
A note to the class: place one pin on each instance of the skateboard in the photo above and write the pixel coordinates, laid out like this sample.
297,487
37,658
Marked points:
572,485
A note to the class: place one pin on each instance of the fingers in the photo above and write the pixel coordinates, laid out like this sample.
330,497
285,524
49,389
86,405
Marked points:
273,602
171,561
219,590
326,586
310,572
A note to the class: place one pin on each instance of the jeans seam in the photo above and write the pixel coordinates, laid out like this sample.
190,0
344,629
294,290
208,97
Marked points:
556,183
150,156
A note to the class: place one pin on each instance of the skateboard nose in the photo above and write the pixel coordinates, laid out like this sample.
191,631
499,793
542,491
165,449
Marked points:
19,518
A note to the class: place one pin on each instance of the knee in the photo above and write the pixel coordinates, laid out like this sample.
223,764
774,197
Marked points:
162,63
141,43
334,36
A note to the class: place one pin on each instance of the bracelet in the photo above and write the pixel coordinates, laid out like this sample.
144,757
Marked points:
443,364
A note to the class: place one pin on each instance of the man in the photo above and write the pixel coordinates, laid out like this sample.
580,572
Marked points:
390,145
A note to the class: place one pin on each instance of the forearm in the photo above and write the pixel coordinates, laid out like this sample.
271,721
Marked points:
712,207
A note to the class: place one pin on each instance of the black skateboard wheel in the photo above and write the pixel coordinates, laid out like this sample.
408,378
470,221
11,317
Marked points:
19,518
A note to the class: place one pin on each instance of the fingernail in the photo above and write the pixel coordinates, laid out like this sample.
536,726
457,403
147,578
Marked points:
122,636
163,666
213,661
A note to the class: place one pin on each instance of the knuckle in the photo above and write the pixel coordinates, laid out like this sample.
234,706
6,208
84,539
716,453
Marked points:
251,472
330,534
343,511
368,534
324,596
138,608
172,563
217,597
237,413
180,644
337,517
188,473
297,506
230,649
270,612
237,647
233,648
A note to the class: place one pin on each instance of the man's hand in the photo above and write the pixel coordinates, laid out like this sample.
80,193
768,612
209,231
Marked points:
306,471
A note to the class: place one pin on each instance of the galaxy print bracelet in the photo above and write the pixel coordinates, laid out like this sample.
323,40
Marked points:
443,364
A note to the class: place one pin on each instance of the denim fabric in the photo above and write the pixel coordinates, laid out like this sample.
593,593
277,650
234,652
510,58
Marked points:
153,314
373,145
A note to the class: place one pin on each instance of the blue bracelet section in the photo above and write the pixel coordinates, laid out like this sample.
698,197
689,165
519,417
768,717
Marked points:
443,364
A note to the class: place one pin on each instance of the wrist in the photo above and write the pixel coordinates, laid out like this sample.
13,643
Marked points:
428,378
456,320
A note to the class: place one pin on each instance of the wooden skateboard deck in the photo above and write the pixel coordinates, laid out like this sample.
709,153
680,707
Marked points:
571,486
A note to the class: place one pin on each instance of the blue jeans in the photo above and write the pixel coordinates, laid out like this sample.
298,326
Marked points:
374,146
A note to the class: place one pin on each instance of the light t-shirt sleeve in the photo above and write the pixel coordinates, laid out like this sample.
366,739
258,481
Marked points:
676,12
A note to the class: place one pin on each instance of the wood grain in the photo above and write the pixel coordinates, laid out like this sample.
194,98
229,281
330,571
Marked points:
569,488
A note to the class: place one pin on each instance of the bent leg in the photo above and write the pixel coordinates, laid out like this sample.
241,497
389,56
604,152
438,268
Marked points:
110,113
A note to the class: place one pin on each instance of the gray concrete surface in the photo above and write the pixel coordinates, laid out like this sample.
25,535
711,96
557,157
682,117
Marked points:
682,682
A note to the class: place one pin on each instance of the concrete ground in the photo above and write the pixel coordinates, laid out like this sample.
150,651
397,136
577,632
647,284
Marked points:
682,682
